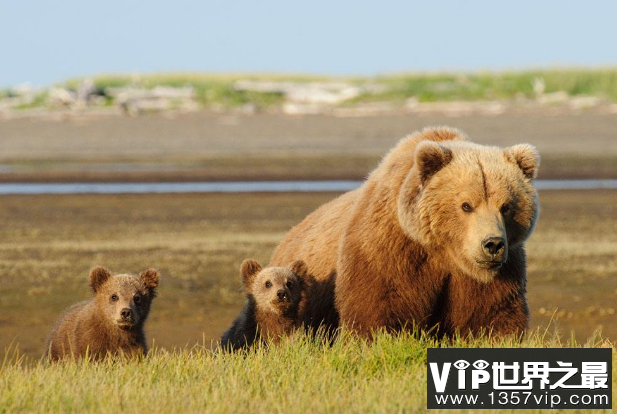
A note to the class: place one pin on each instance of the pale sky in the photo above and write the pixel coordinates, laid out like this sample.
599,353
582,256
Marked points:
44,42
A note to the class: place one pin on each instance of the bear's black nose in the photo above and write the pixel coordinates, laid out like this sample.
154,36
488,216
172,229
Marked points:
494,247
126,314
282,294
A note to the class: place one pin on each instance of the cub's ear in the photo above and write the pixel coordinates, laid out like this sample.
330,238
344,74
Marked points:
430,157
150,278
299,268
526,157
98,276
248,271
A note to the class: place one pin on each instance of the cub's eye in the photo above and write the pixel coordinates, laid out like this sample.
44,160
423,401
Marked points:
467,208
137,299
505,209
114,297
289,284
268,284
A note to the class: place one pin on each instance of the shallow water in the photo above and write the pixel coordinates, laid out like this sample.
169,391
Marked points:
246,187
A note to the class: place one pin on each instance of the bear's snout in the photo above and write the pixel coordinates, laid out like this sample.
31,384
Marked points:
282,294
495,249
126,314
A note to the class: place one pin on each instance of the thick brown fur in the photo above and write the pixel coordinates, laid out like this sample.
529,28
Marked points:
274,299
110,323
407,252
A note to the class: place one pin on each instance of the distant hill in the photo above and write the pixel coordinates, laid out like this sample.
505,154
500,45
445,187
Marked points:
304,94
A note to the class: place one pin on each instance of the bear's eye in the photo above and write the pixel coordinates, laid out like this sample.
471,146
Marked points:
289,284
467,208
137,299
114,297
268,284
505,209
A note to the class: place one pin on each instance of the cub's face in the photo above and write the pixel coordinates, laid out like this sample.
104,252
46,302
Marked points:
275,289
473,202
124,299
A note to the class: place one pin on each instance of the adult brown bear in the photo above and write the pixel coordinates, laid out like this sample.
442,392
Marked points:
432,239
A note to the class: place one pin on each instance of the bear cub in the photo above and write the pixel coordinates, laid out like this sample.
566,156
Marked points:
274,297
110,323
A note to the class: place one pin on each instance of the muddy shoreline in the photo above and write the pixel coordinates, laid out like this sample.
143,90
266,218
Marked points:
204,146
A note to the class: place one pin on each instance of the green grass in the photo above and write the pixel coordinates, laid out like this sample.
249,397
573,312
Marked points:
298,376
40,100
198,242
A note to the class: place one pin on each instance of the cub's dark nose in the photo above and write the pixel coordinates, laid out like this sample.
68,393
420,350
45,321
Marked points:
494,247
126,314
282,294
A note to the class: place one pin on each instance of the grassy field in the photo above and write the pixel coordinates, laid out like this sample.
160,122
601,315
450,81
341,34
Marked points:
49,243
299,376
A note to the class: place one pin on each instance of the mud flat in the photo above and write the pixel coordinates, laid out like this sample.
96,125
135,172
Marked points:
205,146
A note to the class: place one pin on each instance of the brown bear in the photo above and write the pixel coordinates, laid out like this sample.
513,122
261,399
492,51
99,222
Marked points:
274,297
110,323
433,239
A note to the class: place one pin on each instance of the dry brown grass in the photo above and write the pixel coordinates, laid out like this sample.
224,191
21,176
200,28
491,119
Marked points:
48,244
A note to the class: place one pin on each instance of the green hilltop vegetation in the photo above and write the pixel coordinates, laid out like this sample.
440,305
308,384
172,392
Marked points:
220,89
499,86
426,87
211,89
300,375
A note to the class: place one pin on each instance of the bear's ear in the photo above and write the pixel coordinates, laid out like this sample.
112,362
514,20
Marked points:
430,157
526,157
248,270
150,278
98,276
299,268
